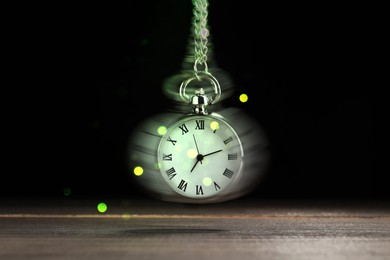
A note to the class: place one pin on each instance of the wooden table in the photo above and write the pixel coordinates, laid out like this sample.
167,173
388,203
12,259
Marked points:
150,229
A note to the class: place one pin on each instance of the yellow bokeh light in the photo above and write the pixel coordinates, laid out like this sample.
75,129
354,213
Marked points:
126,216
192,153
243,98
161,130
207,181
214,125
138,171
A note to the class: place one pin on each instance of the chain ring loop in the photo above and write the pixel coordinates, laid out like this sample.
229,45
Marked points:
201,76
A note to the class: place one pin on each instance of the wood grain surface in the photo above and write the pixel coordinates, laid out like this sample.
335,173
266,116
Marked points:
150,229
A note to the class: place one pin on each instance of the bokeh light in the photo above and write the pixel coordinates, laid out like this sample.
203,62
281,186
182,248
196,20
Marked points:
66,191
138,171
102,207
161,130
192,153
214,125
207,181
243,98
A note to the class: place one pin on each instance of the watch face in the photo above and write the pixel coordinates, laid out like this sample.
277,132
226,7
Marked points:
200,156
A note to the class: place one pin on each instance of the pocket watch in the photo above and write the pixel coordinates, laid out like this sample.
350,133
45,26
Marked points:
199,157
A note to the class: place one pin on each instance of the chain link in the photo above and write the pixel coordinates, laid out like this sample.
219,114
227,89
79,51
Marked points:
201,32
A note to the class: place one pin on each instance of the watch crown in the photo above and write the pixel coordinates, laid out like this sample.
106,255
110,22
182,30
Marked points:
200,101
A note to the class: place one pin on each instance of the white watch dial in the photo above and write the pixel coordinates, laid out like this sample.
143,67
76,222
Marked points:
200,156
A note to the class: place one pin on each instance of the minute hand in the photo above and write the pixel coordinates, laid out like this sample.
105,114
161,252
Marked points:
212,153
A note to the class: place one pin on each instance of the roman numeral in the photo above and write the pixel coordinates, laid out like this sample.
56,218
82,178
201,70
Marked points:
199,190
216,186
228,173
184,129
232,156
171,140
199,125
167,157
228,140
182,185
171,173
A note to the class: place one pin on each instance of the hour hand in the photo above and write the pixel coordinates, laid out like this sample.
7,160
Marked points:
199,158
193,167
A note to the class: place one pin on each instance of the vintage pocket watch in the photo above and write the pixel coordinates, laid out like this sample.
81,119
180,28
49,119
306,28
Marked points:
201,155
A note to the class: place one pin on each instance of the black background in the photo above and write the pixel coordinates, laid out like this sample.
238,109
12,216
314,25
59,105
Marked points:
79,77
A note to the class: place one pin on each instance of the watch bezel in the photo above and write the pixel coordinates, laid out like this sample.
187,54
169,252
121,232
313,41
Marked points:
237,176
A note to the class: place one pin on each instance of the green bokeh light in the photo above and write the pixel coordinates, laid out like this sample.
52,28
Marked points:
66,191
144,41
157,166
161,130
102,207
